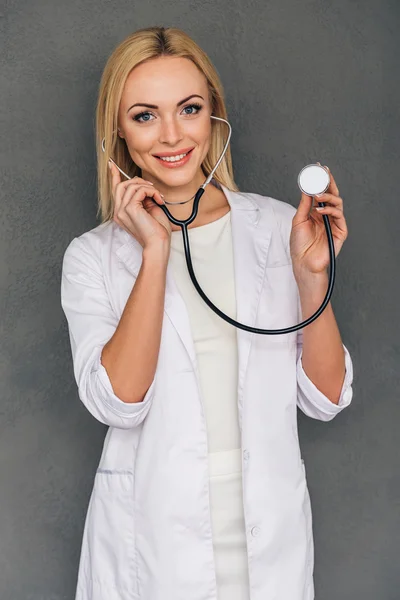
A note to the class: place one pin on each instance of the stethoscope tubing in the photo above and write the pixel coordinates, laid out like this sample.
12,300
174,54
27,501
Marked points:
286,330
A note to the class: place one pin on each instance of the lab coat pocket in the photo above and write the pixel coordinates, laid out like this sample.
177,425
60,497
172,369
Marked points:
110,546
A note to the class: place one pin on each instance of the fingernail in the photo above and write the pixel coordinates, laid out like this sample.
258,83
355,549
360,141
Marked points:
319,208
162,195
319,195
327,168
149,182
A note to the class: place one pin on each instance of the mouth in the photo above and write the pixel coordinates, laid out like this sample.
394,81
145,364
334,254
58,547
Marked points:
175,159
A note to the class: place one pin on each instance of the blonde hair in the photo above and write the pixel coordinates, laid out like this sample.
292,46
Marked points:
143,45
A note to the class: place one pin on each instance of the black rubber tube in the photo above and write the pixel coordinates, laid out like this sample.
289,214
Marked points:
332,272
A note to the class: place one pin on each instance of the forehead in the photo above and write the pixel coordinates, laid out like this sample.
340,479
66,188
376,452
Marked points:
164,80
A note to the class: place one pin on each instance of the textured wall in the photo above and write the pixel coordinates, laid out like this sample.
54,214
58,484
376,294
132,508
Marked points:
305,80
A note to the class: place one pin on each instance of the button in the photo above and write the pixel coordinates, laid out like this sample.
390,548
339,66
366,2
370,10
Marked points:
255,531
246,454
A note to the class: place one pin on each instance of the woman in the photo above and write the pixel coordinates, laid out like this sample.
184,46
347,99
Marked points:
201,491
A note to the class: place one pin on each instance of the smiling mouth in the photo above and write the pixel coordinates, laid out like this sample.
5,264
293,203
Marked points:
175,157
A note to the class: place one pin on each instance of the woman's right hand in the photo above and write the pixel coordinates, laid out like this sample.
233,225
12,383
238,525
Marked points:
135,212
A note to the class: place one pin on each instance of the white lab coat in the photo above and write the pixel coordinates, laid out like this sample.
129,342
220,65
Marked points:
148,531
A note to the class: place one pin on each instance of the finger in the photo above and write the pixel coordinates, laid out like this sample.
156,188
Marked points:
303,210
115,176
116,179
149,203
331,199
131,195
123,186
135,181
337,215
333,188
135,197
115,183
118,186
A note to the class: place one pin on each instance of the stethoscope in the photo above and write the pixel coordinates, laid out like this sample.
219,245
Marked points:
312,180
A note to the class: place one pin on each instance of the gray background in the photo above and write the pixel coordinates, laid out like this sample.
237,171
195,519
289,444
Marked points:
305,81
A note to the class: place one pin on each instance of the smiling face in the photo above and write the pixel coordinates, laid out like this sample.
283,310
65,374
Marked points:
164,117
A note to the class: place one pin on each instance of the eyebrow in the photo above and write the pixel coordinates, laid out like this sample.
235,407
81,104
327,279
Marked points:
154,106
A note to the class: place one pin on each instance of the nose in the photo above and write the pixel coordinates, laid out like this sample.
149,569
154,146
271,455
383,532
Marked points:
170,132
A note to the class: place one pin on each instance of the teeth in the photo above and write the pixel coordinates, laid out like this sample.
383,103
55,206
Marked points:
173,158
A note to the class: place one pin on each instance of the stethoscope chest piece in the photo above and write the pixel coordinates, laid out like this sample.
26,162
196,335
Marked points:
313,180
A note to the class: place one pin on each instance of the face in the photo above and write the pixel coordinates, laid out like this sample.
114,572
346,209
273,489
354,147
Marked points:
165,113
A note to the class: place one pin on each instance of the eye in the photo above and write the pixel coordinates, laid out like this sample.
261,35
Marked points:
197,108
142,117
145,117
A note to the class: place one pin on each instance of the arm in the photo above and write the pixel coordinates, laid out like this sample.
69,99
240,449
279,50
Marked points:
130,356
323,356
93,324
324,368
310,398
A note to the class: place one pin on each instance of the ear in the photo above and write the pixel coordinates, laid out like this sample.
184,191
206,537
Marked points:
120,133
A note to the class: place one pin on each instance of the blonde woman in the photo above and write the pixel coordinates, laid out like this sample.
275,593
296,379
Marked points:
201,491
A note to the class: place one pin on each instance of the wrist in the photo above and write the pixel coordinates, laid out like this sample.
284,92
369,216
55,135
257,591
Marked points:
309,280
312,291
157,253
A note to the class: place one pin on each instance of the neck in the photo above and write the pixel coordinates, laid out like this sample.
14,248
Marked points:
210,200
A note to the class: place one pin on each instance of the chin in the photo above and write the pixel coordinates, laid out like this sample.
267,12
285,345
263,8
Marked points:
176,179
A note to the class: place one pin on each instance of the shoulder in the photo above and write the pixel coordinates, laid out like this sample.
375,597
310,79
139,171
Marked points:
88,248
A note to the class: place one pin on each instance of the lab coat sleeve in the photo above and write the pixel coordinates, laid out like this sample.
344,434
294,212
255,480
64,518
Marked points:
91,323
311,400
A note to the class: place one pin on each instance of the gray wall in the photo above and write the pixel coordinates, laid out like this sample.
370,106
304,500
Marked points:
305,80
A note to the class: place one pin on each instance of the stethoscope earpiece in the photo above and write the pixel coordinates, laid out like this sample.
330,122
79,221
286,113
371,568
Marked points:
103,147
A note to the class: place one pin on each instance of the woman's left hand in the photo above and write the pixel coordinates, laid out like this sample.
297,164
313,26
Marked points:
308,241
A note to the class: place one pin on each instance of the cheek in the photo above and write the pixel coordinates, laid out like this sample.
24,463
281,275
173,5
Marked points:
201,135
139,143
203,132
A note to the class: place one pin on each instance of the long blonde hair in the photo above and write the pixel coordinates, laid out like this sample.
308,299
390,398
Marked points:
143,45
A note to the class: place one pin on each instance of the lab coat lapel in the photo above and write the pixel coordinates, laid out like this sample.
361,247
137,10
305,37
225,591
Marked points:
250,241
